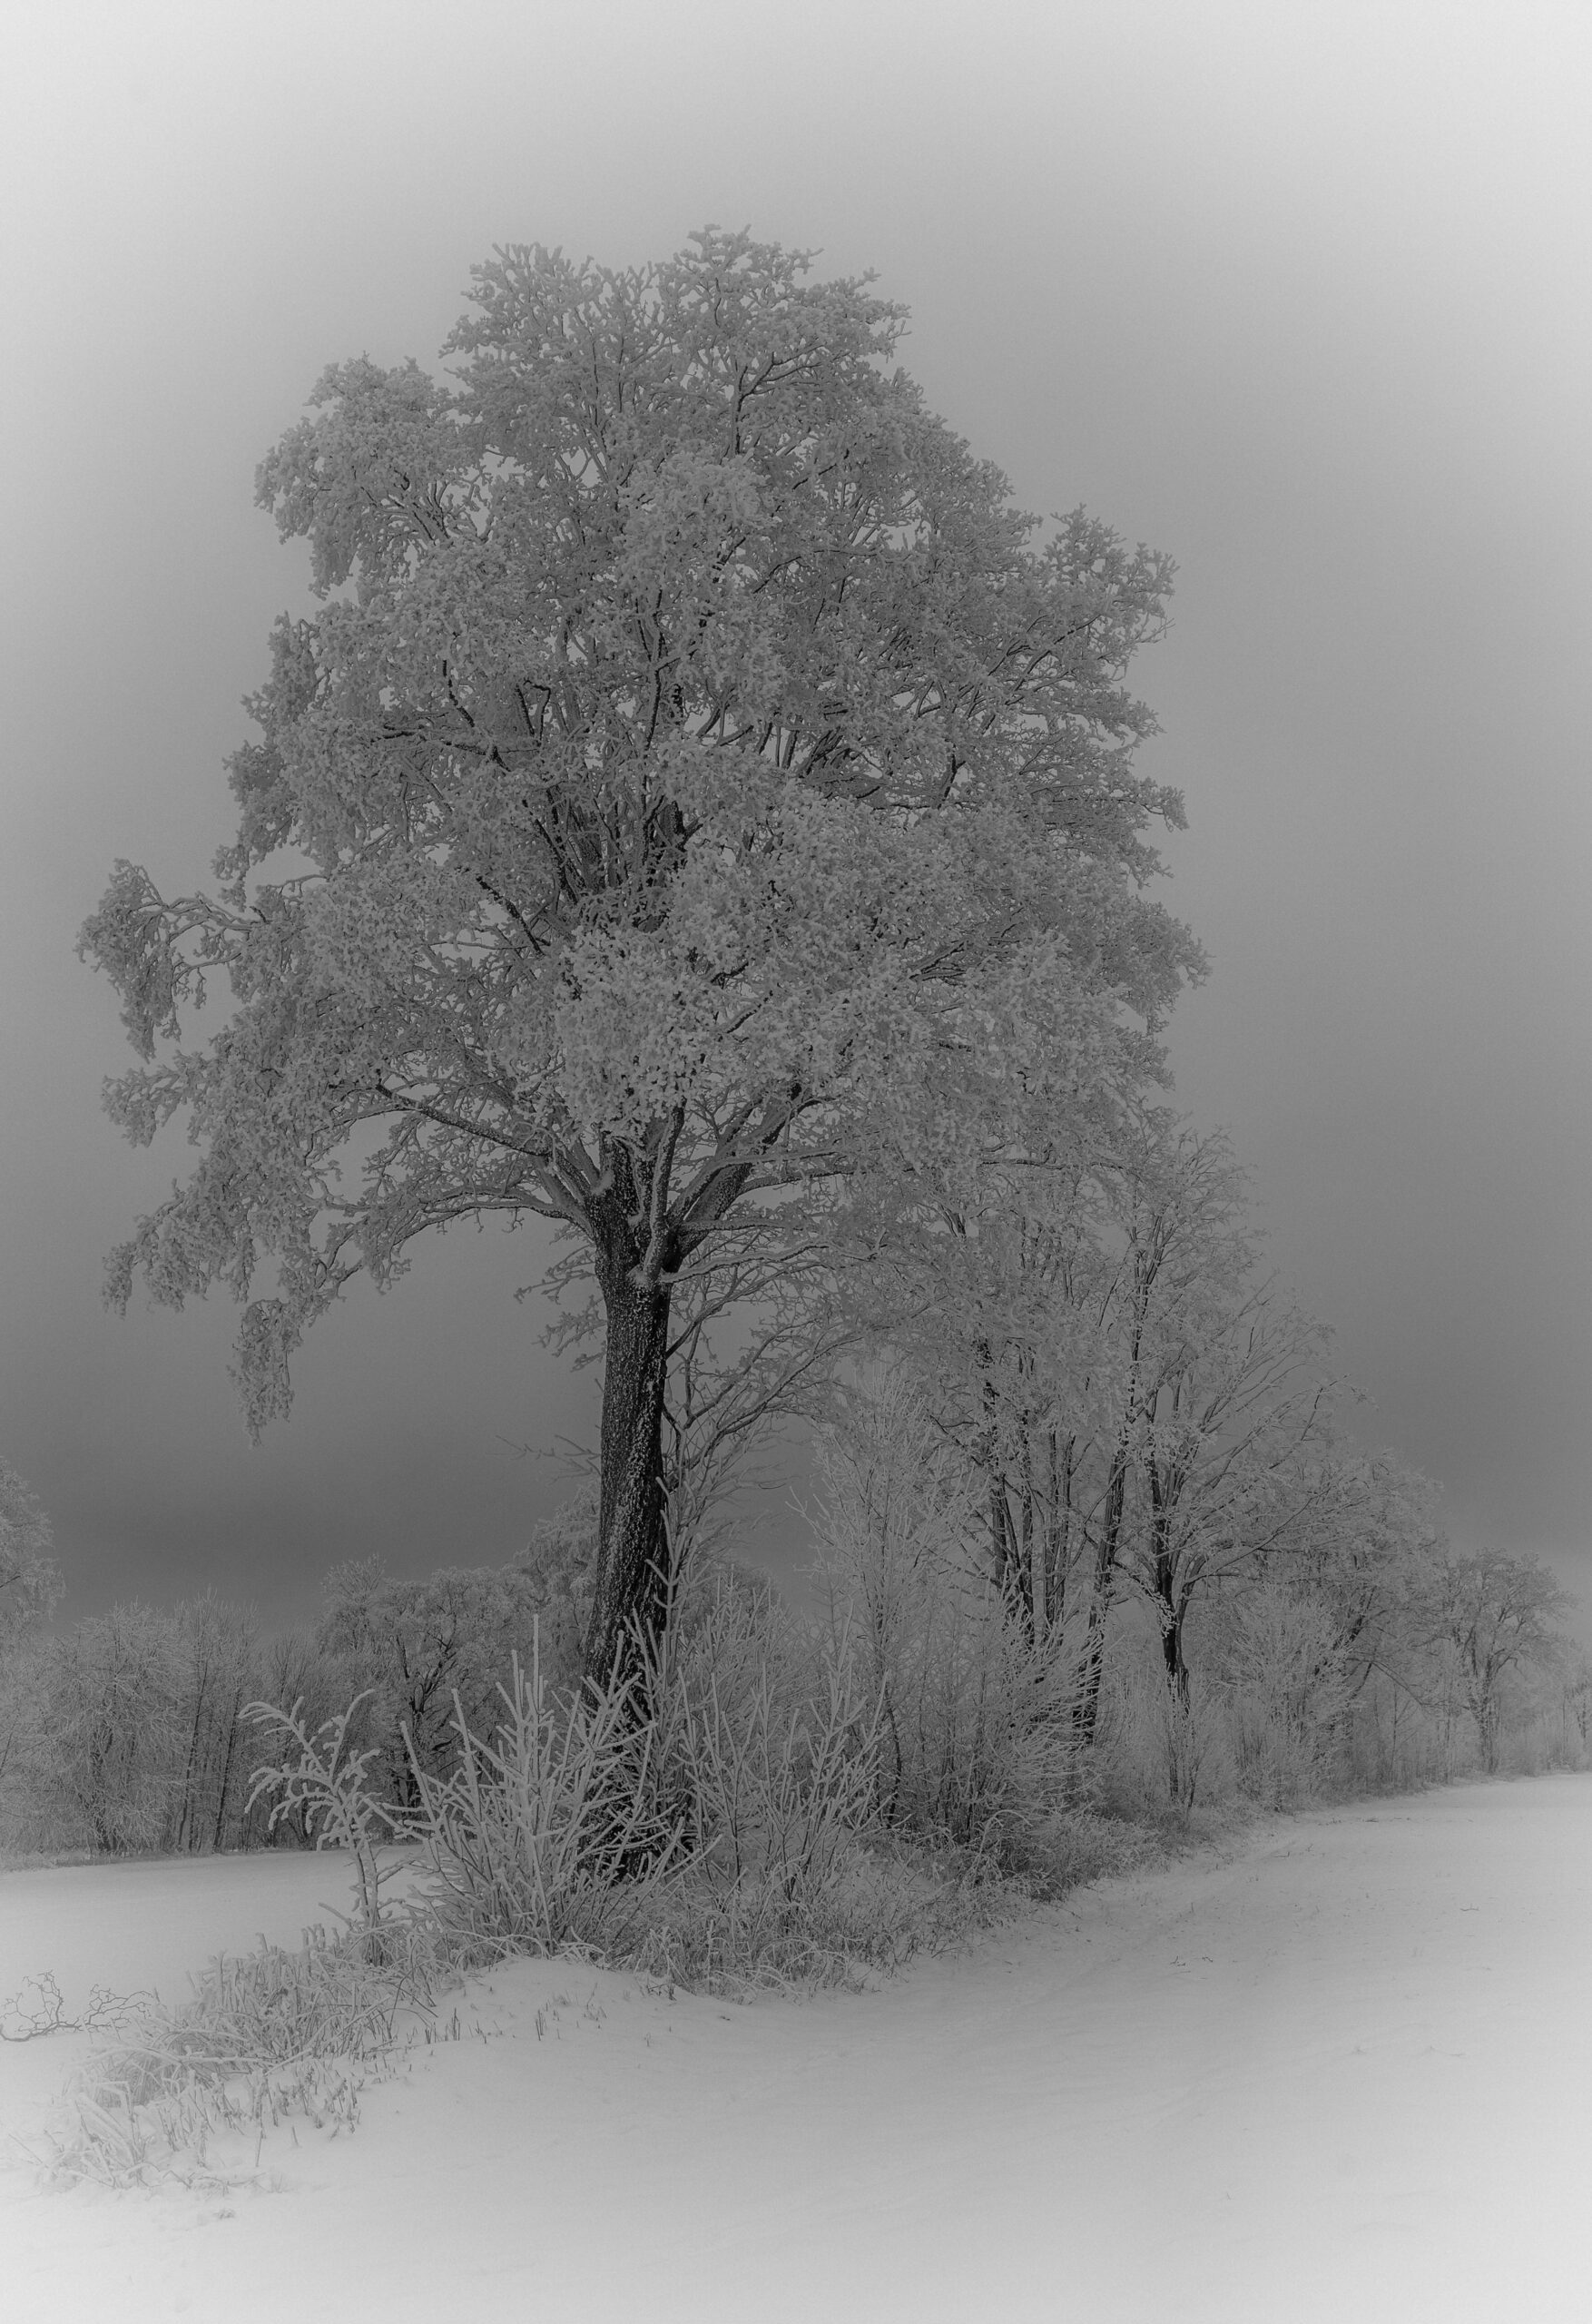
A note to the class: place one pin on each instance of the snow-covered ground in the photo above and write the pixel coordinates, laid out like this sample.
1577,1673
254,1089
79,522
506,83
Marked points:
1345,2072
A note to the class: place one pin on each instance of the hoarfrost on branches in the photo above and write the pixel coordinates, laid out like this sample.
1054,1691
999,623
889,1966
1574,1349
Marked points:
699,782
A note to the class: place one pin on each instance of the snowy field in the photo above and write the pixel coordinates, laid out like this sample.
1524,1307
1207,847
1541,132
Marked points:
1345,2072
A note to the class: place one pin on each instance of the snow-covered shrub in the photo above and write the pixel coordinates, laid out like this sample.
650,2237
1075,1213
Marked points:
715,1815
977,1739
768,1755
704,1815
1165,1752
1291,1695
551,1834
768,1748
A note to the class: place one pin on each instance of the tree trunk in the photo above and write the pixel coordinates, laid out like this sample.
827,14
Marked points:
1111,1533
1104,1562
1172,1619
219,1835
986,1455
1031,1565
632,1553
188,1813
1057,1550
1172,1605
1486,1722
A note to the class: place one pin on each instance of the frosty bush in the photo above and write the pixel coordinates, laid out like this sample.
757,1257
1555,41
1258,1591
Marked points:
551,1835
1170,1753
713,1814
1292,1696
769,1746
715,1833
977,1737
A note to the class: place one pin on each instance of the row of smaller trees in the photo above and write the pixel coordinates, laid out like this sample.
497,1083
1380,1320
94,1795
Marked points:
1146,1415
1135,1449
1461,1654
1361,1651
1349,1649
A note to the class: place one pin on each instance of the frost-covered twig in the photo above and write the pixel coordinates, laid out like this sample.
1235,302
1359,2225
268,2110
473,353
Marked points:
329,1785
37,2008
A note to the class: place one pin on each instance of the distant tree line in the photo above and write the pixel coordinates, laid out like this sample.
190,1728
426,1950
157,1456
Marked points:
130,1732
1364,1653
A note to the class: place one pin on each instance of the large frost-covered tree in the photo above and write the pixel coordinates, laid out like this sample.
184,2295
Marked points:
698,781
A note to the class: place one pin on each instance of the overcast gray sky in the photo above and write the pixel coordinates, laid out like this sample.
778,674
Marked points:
1295,292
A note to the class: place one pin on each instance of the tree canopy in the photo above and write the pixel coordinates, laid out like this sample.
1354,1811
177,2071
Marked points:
699,784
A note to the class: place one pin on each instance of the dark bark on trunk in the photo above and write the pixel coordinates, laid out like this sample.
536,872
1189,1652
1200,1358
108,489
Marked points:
1172,1604
1105,1549
1165,1606
986,1454
1057,1535
1000,1552
187,1813
889,1807
633,1554
1031,1556
219,1835
639,1246
1172,1616
1110,1535
99,1758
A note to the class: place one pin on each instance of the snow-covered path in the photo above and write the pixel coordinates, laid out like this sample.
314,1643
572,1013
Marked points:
1346,2073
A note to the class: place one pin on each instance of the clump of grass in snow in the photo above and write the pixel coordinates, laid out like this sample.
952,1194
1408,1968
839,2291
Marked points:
267,2035
553,1836
886,1899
